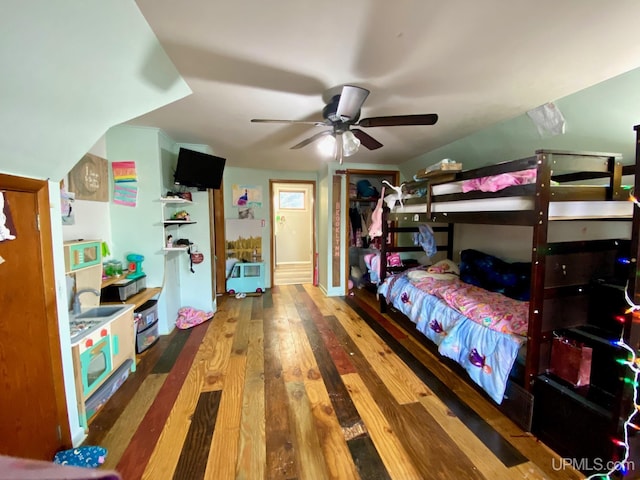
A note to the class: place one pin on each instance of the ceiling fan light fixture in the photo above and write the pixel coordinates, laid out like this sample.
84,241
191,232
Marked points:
327,146
341,115
350,143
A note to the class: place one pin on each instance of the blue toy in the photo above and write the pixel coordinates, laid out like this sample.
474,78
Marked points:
246,278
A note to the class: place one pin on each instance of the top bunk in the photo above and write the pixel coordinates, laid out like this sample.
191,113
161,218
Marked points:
551,185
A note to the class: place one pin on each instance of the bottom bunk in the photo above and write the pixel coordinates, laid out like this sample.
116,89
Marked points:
482,331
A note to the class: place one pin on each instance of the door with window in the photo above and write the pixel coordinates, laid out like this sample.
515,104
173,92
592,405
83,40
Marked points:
293,230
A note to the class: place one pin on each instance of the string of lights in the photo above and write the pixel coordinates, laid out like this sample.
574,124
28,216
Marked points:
632,362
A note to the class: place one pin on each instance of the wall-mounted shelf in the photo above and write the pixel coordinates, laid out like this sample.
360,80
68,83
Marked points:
139,298
169,207
178,222
174,249
175,200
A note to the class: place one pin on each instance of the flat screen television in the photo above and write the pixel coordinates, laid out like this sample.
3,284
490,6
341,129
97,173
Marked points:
197,169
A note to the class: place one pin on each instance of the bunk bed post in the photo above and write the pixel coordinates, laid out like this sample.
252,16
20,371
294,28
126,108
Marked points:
615,192
384,243
538,257
631,333
450,241
633,327
383,256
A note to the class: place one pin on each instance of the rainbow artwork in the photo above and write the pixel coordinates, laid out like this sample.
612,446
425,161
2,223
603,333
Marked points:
125,183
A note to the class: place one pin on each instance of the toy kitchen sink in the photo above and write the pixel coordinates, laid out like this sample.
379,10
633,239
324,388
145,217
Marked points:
87,321
103,353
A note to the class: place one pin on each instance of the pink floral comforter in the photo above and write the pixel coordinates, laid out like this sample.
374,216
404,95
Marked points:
490,309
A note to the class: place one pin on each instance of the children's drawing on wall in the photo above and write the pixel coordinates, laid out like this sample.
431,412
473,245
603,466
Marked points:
243,240
246,196
125,183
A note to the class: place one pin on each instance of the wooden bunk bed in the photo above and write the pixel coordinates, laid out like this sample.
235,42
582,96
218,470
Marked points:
565,276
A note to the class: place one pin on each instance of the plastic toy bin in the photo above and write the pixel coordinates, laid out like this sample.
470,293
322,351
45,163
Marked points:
146,318
146,314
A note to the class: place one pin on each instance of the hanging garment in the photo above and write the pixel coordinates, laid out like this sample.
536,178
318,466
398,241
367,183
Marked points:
375,230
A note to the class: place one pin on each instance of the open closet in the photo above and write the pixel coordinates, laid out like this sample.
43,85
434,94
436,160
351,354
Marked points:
365,188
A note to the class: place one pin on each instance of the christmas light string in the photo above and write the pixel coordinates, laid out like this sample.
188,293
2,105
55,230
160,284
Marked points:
633,363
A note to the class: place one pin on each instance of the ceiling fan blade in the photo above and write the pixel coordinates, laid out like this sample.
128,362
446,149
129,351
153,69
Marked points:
399,120
366,139
351,100
302,122
311,139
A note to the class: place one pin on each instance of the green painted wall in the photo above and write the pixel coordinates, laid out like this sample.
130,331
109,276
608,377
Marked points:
600,118
259,178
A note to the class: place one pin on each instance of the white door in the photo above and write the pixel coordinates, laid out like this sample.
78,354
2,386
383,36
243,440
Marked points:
293,232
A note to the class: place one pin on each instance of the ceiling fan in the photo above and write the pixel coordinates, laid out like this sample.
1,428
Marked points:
342,113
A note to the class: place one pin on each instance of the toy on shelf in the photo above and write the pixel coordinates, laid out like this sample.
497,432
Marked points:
135,265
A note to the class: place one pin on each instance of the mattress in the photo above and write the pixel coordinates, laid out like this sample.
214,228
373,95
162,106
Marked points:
557,210
486,354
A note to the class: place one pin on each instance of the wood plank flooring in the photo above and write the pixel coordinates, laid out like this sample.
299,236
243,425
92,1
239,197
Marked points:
293,274
296,385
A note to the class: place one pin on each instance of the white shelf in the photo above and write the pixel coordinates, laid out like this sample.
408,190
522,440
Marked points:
178,222
170,205
175,200
174,249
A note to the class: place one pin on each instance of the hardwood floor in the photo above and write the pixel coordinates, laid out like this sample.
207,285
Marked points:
296,385
293,274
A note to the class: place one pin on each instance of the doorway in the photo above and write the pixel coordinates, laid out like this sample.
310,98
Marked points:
33,412
293,231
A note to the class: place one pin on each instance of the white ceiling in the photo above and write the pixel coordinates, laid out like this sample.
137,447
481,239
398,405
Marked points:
473,63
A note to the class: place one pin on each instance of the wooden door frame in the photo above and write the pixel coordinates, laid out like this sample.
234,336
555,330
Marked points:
217,241
272,265
40,188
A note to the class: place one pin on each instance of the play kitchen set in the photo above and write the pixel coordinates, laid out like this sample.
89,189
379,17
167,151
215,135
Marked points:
105,337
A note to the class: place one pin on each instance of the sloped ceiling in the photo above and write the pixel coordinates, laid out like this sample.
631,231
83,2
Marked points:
70,71
476,64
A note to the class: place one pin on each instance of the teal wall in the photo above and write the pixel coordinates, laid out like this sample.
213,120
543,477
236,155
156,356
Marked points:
70,71
140,229
196,288
259,178
600,118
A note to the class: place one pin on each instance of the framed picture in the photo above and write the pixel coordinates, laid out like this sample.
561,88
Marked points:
89,179
246,196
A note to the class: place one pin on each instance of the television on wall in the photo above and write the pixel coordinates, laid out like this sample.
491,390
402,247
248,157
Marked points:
197,169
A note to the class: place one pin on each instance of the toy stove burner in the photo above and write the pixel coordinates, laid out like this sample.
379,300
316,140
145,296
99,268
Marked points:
77,326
